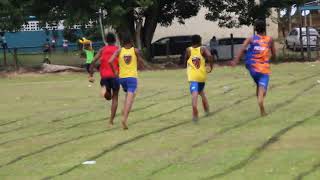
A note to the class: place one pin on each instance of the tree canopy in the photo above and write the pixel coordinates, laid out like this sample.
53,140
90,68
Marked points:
138,17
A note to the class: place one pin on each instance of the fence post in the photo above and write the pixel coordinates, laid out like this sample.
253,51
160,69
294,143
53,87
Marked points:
308,43
318,47
15,58
168,49
4,55
232,46
300,29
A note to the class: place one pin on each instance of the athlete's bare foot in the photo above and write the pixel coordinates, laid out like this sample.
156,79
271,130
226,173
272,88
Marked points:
195,119
108,95
111,123
264,114
124,125
91,79
207,113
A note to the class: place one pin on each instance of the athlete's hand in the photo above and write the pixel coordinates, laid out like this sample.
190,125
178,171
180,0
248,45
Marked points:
209,69
116,73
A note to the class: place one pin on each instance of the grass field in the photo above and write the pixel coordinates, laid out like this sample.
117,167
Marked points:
50,124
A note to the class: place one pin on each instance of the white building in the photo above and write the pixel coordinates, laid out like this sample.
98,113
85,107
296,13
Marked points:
33,25
208,29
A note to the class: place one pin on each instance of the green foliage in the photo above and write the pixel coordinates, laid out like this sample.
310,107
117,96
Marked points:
71,35
92,33
12,15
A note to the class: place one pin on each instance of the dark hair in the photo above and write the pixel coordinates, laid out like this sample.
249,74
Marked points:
111,38
260,26
196,39
126,39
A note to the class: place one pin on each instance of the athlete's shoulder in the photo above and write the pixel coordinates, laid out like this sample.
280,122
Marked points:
269,38
203,48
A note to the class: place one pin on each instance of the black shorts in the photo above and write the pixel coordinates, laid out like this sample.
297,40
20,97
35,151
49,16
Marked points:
110,83
88,67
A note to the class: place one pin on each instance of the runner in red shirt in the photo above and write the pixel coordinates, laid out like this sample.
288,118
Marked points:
109,79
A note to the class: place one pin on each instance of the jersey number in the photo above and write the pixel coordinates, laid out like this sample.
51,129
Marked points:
127,59
196,62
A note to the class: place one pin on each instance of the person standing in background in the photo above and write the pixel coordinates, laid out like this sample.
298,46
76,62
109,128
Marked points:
213,46
53,43
65,45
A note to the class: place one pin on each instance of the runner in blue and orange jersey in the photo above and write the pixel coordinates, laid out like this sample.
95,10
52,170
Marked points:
261,50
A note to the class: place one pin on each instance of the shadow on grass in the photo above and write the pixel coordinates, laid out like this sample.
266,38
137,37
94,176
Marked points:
21,157
256,153
113,147
228,129
308,172
64,118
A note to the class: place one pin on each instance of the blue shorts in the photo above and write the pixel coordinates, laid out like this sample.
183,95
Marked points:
110,83
196,86
129,84
260,79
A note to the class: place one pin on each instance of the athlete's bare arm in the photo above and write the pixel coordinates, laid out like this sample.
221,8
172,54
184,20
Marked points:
112,59
139,58
95,59
207,54
242,51
188,54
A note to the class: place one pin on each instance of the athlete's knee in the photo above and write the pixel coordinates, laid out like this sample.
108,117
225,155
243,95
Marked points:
260,100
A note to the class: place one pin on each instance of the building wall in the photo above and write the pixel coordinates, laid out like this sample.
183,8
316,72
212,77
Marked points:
207,29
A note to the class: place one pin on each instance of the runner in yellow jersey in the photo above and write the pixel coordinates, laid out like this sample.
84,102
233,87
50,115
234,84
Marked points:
197,70
129,60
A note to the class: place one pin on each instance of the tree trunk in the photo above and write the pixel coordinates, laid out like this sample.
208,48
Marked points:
149,28
138,34
289,19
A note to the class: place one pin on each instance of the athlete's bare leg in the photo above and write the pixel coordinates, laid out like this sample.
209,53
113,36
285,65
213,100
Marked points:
205,103
261,96
114,106
195,113
127,108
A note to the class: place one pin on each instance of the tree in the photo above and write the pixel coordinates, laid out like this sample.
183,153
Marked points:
154,13
12,17
235,13
140,18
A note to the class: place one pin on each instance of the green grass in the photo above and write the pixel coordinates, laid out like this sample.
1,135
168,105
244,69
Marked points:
50,124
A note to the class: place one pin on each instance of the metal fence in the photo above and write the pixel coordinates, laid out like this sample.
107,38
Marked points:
305,51
34,57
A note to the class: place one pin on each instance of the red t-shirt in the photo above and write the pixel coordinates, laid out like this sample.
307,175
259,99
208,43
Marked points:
105,68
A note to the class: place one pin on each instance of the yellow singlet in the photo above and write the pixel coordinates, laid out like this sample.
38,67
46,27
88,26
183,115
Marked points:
128,65
196,66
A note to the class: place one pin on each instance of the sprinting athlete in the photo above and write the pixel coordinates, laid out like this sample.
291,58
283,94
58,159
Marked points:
197,70
109,81
129,60
261,49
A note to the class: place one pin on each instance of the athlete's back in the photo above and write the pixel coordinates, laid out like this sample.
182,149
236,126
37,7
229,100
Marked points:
196,65
105,68
259,54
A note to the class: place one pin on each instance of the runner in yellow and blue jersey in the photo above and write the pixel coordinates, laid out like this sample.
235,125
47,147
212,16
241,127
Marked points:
197,73
129,60
261,49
